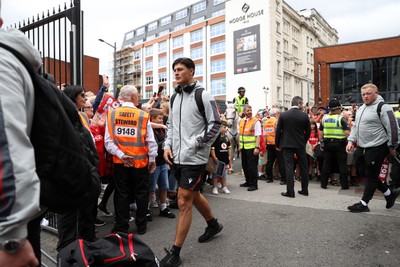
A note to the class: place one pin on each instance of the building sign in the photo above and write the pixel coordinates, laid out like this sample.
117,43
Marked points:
247,49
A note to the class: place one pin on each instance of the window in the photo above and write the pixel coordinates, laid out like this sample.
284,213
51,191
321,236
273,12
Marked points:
181,14
137,67
164,32
149,65
218,86
278,67
162,46
217,29
180,26
149,51
129,35
217,2
218,66
151,37
295,51
196,36
199,7
286,26
218,48
199,70
149,79
152,26
196,53
278,7
308,57
138,42
178,55
149,94
177,41
162,62
295,33
165,21
278,27
198,20
136,54
218,13
162,77
278,46
285,45
139,31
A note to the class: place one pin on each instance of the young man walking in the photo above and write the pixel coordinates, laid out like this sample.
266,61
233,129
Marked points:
187,149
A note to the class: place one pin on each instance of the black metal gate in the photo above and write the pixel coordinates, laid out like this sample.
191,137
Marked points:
58,35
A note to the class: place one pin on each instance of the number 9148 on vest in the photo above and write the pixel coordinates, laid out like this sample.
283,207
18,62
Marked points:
126,131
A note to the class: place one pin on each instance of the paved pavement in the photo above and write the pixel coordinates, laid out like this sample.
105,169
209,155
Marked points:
262,228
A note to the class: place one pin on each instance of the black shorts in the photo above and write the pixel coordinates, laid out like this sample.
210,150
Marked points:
189,177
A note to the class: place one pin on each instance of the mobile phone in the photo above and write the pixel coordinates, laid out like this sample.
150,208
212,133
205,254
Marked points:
154,94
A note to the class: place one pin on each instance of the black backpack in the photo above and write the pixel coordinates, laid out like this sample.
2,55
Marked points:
117,250
65,155
199,102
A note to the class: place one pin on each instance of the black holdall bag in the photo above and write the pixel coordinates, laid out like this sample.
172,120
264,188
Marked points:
119,249
65,155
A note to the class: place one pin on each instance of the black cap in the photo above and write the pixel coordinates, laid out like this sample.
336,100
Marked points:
334,104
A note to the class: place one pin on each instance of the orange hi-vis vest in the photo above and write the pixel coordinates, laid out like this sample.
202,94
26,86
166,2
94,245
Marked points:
269,130
128,128
247,140
85,120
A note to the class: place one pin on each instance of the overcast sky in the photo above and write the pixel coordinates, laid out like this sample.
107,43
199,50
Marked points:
355,20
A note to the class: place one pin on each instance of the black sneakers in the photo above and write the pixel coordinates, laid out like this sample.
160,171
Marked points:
392,198
171,259
358,207
210,233
167,213
149,216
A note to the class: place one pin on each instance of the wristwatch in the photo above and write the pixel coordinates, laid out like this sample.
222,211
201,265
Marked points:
12,245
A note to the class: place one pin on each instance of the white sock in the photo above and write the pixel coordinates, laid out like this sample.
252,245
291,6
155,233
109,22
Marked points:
163,206
153,198
260,173
363,202
387,193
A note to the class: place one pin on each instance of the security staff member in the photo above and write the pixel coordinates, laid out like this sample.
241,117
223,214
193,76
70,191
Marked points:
240,101
249,146
130,139
334,132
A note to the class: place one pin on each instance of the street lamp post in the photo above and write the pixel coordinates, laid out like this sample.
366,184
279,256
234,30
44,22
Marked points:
115,65
266,91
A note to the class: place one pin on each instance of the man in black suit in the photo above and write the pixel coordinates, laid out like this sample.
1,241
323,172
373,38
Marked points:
292,132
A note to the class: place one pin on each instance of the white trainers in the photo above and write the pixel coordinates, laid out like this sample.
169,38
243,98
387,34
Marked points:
219,185
131,219
153,204
225,190
215,191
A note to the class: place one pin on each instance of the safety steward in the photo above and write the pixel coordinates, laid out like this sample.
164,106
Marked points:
269,131
240,101
249,146
334,132
130,139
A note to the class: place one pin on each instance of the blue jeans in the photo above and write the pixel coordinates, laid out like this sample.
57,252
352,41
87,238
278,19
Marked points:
160,178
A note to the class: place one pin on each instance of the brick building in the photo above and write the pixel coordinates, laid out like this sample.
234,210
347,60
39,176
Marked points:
341,70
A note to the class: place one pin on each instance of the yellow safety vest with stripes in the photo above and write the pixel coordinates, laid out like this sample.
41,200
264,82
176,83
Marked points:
239,103
247,139
333,127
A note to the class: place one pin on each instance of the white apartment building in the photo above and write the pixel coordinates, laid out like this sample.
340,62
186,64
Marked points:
262,45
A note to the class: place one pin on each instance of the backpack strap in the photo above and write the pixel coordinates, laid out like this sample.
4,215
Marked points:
378,110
